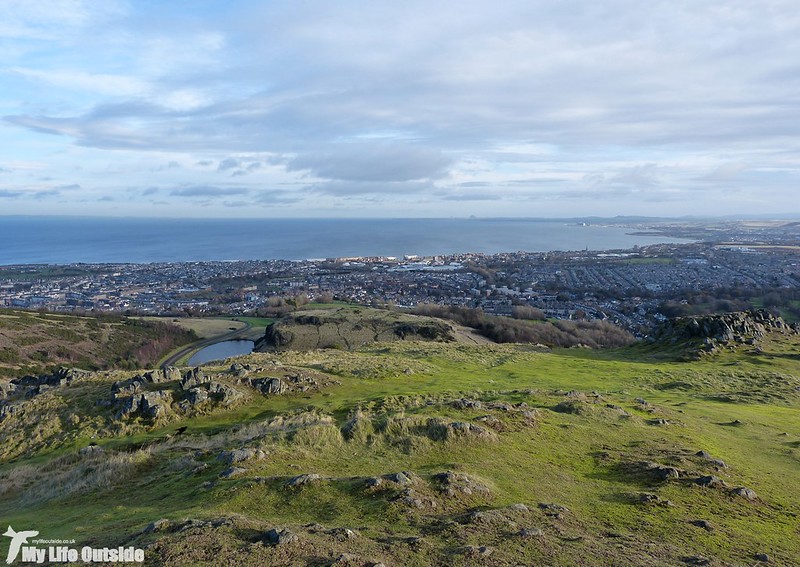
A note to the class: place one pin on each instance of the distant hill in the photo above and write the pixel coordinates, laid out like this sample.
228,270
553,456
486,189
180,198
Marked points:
350,328
32,342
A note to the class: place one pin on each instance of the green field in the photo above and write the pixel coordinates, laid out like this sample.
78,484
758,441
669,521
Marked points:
577,436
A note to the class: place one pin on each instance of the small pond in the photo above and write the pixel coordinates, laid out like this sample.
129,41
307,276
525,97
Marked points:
220,351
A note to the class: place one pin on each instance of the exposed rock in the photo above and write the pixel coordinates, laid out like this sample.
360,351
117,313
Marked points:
280,537
232,472
224,394
7,389
347,560
154,404
411,501
710,333
128,387
519,508
270,385
157,526
194,377
463,428
553,509
696,560
92,449
763,557
128,406
653,499
464,403
401,478
158,376
28,387
660,472
303,479
197,396
705,524
748,493
171,373
342,534
719,463
578,407
239,370
239,455
476,551
454,483
710,481
530,532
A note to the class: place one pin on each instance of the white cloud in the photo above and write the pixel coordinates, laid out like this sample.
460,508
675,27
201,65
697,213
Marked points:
618,103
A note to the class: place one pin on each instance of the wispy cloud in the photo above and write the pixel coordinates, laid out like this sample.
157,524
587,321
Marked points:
207,191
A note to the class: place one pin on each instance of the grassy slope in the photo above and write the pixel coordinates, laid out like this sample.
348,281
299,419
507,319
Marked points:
31,342
581,461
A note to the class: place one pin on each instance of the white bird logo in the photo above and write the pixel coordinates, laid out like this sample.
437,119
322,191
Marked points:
17,539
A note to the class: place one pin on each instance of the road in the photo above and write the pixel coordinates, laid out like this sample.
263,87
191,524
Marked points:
173,359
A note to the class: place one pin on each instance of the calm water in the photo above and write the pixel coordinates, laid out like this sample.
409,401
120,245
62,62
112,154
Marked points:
62,240
220,351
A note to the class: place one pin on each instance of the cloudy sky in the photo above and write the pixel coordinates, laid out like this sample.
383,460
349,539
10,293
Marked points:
297,108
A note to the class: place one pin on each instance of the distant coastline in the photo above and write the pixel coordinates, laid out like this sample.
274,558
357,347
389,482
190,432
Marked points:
64,240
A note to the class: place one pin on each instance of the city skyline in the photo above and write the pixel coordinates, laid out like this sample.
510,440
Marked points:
278,109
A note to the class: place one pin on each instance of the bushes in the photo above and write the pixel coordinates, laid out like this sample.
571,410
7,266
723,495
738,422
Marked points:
595,334
9,355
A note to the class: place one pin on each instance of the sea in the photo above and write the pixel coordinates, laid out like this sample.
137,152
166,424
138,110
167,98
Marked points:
67,240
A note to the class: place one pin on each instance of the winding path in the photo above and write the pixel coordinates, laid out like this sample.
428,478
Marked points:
174,358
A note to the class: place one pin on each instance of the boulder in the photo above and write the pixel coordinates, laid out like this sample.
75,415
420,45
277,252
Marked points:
748,493
705,524
710,481
231,472
401,478
193,378
224,394
269,386
196,396
154,404
277,536
303,479
239,455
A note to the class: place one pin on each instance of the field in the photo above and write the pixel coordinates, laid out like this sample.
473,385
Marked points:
509,454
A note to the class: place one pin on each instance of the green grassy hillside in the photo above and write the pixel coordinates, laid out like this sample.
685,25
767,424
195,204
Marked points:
420,453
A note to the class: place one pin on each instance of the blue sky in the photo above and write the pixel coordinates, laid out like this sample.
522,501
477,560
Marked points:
399,109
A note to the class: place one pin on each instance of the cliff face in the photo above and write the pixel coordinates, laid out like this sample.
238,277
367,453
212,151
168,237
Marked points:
709,333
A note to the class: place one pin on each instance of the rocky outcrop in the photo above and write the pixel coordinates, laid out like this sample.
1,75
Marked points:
30,386
710,333
194,377
269,386
349,328
147,404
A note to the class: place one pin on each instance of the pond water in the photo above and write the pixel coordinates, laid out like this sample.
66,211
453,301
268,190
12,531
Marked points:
220,351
